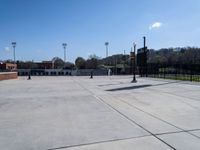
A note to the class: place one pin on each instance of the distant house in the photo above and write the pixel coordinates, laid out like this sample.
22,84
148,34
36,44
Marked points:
8,66
46,65
35,65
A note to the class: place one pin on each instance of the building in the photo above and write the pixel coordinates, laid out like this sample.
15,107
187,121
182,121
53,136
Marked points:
34,65
8,66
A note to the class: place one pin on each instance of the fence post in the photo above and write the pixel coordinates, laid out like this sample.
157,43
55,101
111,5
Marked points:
191,72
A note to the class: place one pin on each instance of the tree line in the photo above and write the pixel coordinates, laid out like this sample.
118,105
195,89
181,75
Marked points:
172,56
164,56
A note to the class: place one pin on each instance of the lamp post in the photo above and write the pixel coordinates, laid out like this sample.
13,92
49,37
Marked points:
64,47
106,44
124,61
145,57
14,45
134,65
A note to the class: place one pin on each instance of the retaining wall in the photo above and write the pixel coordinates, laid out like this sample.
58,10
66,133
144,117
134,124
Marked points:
8,75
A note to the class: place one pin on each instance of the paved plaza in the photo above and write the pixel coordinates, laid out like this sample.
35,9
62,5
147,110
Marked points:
103,113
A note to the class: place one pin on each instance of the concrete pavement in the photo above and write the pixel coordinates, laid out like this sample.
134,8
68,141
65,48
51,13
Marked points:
103,113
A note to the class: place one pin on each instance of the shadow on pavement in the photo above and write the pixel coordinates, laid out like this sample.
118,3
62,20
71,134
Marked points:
139,86
102,85
129,88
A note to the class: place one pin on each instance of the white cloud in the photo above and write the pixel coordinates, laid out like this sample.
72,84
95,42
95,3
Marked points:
155,25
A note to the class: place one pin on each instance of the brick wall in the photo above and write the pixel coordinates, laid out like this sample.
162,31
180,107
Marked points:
8,75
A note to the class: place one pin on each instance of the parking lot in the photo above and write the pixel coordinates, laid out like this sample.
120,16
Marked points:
103,113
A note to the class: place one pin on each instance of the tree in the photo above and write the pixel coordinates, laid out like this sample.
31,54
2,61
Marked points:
58,63
69,65
94,56
80,63
92,63
175,56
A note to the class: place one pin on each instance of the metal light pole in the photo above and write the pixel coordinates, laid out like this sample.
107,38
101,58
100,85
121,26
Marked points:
134,65
145,56
14,45
124,61
106,44
64,47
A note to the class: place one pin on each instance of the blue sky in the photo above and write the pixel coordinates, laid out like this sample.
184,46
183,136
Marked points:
41,26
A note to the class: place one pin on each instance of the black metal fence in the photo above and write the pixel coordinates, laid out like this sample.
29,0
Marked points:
187,72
